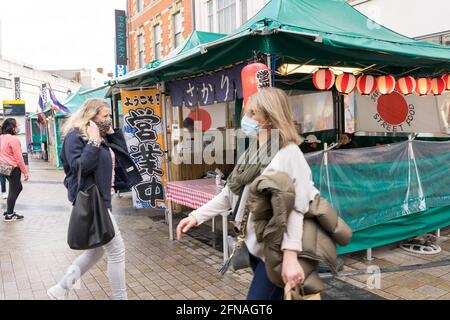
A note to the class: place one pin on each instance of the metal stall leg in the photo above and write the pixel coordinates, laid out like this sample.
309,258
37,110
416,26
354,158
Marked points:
369,254
162,87
170,220
225,235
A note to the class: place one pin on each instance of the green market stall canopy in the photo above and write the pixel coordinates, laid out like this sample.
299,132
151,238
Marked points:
301,32
75,100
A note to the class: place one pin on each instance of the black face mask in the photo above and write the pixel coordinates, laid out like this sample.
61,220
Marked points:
104,126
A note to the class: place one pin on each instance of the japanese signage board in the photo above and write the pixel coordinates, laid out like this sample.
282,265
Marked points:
143,129
219,87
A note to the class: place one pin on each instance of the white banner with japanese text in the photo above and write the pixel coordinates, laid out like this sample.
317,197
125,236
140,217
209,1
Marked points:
143,129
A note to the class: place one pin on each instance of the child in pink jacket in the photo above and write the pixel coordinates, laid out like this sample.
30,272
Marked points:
11,153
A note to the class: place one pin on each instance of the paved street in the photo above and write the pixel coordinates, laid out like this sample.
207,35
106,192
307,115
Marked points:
34,255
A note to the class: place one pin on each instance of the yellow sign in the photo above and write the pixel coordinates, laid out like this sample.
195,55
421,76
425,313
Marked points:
144,132
13,102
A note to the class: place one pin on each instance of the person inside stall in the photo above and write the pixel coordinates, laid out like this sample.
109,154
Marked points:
346,141
186,144
188,124
311,144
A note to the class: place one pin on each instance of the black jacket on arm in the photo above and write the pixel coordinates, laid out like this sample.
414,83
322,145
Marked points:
96,165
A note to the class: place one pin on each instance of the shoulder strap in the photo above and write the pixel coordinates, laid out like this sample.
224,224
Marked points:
243,226
236,207
79,176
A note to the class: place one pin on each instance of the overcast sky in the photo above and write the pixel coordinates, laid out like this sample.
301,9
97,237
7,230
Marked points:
60,34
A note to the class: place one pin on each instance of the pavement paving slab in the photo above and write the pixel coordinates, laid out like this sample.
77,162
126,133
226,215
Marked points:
35,254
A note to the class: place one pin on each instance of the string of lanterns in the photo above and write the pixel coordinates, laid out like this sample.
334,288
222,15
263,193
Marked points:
324,79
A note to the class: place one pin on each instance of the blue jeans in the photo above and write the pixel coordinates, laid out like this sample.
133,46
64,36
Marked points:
3,183
261,287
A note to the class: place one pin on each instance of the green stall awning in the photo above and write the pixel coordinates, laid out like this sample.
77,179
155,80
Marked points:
326,32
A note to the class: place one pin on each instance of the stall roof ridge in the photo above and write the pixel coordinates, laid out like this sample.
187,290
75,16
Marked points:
324,30
345,22
195,39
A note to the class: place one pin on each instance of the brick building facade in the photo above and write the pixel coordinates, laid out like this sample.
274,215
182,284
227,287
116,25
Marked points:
156,27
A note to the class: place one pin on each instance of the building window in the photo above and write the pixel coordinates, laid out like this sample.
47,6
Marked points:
5,83
435,39
157,41
141,50
243,11
139,5
443,39
446,39
210,7
226,13
177,29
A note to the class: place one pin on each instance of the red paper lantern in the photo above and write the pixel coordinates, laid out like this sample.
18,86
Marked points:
446,78
366,85
406,85
385,84
423,86
323,79
254,77
345,83
438,86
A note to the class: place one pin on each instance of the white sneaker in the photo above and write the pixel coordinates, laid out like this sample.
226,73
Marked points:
4,195
58,293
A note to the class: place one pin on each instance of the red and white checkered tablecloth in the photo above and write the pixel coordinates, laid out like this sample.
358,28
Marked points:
193,193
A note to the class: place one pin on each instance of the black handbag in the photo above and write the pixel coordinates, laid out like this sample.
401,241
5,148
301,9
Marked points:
5,169
90,224
238,254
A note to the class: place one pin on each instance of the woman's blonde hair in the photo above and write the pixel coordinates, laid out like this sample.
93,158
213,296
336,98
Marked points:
273,103
79,120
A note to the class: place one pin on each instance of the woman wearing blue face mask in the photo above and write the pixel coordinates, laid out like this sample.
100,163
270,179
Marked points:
269,119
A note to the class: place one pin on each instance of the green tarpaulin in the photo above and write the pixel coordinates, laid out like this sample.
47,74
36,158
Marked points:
323,31
76,99
399,229
403,185
195,39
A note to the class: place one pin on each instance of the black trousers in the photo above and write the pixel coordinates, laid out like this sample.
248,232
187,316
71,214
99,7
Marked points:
3,183
15,188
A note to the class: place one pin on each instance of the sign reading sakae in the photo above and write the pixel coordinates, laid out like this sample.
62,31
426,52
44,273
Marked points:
14,108
143,129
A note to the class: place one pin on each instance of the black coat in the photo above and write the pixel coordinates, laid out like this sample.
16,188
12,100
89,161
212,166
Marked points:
96,165
306,148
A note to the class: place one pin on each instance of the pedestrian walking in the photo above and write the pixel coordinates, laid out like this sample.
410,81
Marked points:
11,154
268,109
101,151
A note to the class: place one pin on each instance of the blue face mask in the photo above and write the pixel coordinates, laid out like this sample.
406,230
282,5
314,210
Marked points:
249,126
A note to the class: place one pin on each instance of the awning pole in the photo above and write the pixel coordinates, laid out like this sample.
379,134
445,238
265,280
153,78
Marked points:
169,213
269,65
